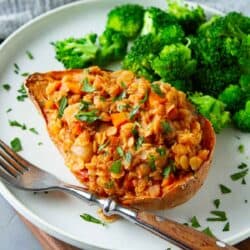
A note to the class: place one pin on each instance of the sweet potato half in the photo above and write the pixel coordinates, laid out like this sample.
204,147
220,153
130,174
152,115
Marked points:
132,170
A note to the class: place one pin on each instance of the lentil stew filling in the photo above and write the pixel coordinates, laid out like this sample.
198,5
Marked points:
120,135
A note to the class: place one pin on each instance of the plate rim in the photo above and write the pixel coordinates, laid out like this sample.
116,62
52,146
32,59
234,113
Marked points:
27,212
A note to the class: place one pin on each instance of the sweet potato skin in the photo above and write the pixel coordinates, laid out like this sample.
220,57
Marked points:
178,192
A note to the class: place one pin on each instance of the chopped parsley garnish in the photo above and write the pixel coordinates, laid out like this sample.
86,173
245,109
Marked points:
123,85
16,144
39,143
224,189
242,165
120,151
63,103
243,182
208,232
84,105
87,87
122,107
16,69
194,222
90,218
216,203
151,162
17,124
30,56
8,110
134,111
6,86
166,127
88,117
226,228
246,201
101,147
109,184
239,175
23,94
33,130
145,98
139,142
161,151
166,172
241,148
128,157
116,167
219,216
25,74
156,88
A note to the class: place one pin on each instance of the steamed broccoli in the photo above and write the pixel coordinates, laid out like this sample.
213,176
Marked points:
156,19
212,109
77,53
113,46
245,85
233,97
139,58
242,118
244,55
190,19
174,63
127,19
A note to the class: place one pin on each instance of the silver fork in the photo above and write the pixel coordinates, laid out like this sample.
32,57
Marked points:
18,172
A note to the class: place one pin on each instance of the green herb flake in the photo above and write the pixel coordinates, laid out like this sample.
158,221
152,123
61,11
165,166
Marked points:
14,123
216,203
242,166
151,162
145,98
166,127
16,67
34,131
87,87
109,184
123,85
161,151
88,117
246,201
6,86
133,112
39,143
23,94
139,142
116,167
90,218
208,232
84,106
25,74
16,144
241,148
224,189
122,107
29,55
120,97
239,175
220,216
63,103
128,157
120,151
167,171
103,146
8,110
194,222
156,88
226,228
243,182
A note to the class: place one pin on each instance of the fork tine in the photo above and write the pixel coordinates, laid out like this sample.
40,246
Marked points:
12,162
7,177
22,162
8,168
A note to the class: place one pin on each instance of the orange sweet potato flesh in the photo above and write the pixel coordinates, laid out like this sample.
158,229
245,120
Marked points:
179,191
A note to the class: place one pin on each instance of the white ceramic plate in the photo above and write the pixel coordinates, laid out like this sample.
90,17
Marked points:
57,213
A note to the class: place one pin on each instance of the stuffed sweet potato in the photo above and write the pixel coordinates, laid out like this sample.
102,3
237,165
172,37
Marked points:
141,143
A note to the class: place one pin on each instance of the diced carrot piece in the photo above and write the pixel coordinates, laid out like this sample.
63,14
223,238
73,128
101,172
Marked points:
119,118
155,99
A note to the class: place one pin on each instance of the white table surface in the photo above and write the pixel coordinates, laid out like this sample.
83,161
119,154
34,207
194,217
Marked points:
14,234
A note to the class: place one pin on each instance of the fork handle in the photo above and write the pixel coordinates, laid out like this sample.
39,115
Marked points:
178,234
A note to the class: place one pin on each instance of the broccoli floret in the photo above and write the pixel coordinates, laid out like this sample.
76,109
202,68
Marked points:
156,19
183,85
190,19
242,118
174,63
212,109
245,85
171,34
213,81
233,97
139,58
77,53
127,19
244,55
113,47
